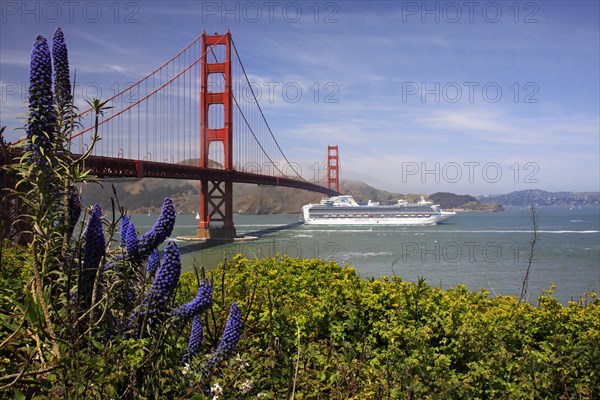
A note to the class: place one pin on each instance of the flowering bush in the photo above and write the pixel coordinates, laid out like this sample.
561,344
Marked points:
90,320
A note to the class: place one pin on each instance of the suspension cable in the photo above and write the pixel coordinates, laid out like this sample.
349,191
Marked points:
261,111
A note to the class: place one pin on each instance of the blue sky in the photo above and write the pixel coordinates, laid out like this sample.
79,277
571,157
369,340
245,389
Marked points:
468,97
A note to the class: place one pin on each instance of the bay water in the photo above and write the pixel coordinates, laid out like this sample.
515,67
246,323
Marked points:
481,250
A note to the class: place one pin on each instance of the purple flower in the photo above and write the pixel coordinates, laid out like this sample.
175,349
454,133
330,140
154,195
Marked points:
131,241
74,207
94,248
93,251
124,223
153,263
233,330
195,341
161,230
41,120
60,59
200,303
160,294
167,278
230,338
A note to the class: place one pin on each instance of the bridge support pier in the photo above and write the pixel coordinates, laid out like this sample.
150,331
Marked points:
216,196
216,205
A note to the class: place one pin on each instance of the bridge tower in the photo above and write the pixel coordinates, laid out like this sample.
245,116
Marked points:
216,195
333,168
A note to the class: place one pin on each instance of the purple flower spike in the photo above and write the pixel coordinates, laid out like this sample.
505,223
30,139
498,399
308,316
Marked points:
41,120
124,224
167,278
201,302
195,341
131,240
93,251
74,207
94,248
60,59
157,299
153,263
233,330
231,336
161,230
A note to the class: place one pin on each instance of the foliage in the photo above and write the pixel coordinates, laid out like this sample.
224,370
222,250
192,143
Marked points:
389,338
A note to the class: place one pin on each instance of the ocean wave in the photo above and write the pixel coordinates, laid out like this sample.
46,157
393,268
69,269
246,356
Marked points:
340,230
352,254
521,231
569,231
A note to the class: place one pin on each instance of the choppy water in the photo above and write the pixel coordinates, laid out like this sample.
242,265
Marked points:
481,250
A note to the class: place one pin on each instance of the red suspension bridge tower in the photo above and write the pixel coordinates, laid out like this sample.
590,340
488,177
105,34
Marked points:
216,195
333,168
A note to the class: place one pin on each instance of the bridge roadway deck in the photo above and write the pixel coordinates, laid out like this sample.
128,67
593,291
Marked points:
127,168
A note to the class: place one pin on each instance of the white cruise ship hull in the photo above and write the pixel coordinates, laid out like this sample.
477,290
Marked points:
375,221
431,220
350,213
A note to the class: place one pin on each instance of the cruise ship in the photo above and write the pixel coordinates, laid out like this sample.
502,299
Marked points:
344,210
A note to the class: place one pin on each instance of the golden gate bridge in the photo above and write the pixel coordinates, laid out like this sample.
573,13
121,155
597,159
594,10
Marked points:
195,117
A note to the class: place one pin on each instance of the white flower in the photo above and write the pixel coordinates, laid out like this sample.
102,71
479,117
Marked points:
261,395
241,363
246,386
186,369
216,389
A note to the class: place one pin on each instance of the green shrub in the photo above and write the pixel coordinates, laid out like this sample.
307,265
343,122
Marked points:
390,338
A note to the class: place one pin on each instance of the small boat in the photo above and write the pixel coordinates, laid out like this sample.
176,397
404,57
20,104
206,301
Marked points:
197,215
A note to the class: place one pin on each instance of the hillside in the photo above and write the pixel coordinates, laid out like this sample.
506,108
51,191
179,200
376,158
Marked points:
544,198
451,200
146,195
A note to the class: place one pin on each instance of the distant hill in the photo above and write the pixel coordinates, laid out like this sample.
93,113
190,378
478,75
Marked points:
146,195
451,200
544,198
143,195
463,202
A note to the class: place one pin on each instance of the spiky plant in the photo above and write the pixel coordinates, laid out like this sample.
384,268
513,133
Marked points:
161,230
200,303
41,122
60,60
229,340
93,251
